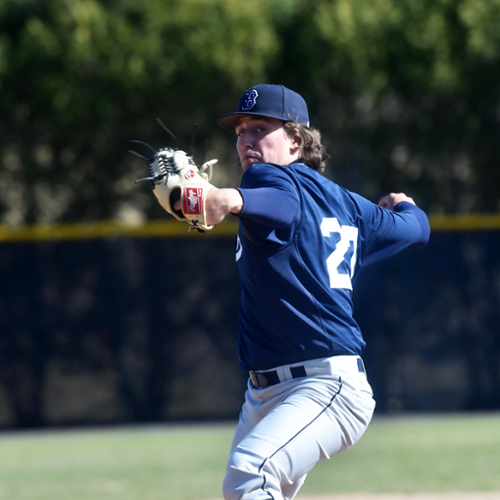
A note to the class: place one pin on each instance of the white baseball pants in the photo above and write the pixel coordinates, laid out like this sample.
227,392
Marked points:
286,429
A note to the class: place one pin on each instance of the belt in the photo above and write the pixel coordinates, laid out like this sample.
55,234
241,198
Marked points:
271,377
260,380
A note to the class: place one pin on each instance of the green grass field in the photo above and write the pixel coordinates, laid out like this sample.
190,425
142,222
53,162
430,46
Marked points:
188,462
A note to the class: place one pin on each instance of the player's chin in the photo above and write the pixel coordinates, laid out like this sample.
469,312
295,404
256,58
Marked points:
246,163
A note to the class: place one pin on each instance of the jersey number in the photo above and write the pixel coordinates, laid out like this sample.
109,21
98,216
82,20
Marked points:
331,225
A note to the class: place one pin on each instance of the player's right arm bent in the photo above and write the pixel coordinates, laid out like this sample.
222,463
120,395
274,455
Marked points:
390,200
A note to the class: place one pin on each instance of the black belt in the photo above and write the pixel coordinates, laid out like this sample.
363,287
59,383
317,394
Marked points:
269,378
266,379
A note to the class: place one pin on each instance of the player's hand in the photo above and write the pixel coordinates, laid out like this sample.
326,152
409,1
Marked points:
219,203
391,200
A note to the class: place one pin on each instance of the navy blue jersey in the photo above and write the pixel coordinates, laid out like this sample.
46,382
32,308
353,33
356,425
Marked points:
302,241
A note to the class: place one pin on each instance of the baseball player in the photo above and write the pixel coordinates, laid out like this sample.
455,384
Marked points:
302,242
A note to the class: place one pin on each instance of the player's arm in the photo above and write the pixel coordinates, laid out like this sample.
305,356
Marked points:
221,202
392,199
267,206
270,207
395,224
270,199
400,203
266,196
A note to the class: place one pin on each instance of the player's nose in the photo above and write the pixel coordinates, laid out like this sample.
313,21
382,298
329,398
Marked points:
245,140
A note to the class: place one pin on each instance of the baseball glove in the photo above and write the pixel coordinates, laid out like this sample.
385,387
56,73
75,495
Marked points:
175,177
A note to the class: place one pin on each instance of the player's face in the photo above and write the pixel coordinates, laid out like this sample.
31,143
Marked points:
264,140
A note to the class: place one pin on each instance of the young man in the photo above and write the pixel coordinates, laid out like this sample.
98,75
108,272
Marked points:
302,242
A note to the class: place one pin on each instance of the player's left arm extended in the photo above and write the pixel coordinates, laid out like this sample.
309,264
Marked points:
221,202
267,206
270,198
266,196
218,204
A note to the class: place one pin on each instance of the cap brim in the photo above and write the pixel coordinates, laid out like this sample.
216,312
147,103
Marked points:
230,120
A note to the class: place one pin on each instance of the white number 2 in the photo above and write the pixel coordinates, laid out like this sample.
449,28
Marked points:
347,234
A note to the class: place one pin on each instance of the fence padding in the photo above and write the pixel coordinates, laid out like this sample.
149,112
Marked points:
128,329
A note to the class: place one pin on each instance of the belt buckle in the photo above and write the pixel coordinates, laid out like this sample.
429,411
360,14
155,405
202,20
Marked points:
259,380
254,379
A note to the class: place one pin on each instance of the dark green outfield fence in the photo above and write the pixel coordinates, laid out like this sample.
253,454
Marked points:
106,324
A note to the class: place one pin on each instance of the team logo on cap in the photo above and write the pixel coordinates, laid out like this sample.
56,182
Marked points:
250,100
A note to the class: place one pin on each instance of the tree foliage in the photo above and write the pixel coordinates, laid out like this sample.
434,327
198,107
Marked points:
81,77
404,91
407,92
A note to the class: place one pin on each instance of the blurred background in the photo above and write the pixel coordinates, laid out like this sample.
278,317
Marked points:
110,312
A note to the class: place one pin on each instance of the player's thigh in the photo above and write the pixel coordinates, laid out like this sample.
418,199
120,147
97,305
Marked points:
320,420
331,428
316,420
250,416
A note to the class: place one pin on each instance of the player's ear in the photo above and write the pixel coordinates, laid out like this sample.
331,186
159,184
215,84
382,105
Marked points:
295,143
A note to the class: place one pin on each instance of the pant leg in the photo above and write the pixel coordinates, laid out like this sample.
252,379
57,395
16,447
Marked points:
290,490
289,428
250,416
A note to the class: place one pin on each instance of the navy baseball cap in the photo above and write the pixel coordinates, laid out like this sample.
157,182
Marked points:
272,101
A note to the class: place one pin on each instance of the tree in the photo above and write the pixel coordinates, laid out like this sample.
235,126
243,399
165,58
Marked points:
80,78
406,92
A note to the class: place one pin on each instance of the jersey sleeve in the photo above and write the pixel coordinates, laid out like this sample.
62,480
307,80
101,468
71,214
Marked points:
425,230
388,232
269,197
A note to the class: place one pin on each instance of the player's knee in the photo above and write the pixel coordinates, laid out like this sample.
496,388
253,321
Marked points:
234,486
238,481
244,479
230,491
